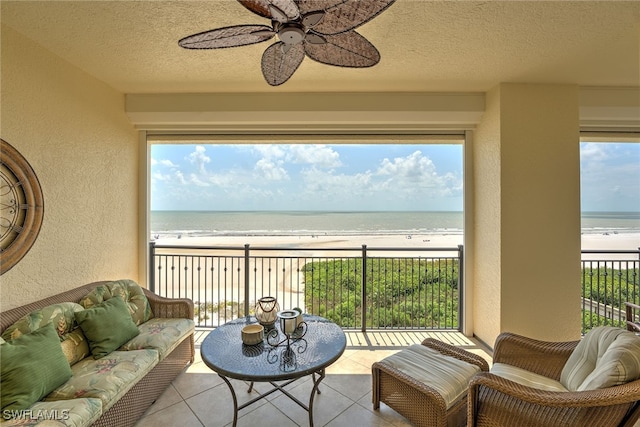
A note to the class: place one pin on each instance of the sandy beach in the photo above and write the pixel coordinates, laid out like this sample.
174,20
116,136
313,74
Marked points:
219,279
607,241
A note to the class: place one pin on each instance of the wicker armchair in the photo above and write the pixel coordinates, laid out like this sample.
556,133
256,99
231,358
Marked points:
497,401
632,317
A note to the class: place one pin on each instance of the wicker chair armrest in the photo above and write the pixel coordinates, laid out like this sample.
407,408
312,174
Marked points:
412,382
458,353
541,357
178,308
626,393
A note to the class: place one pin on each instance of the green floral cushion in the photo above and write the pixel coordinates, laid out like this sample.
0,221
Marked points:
32,366
107,379
75,346
61,315
129,291
107,326
161,334
63,413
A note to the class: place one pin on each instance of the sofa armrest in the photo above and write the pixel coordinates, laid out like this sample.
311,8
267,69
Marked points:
179,308
541,357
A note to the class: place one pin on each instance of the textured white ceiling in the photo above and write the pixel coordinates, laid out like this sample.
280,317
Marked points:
426,46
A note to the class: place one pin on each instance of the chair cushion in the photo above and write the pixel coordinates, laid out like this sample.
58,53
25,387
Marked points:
526,378
129,291
618,365
108,378
67,413
32,366
445,374
161,334
107,326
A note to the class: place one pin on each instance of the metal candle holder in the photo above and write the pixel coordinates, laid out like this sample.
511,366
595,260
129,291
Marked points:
290,327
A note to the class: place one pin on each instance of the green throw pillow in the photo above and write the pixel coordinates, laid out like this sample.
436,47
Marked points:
33,365
107,326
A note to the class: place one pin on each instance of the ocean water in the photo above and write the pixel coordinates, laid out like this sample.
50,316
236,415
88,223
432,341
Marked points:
610,222
282,223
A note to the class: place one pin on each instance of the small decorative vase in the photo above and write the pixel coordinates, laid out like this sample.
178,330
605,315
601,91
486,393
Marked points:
266,311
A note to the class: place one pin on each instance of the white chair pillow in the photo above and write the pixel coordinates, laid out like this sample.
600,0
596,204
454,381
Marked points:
620,364
579,373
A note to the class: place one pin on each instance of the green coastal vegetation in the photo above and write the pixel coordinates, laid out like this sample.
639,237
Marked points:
604,292
401,292
411,292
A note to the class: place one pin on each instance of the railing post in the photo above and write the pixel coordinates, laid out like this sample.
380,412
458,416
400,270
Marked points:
152,266
246,279
460,287
363,296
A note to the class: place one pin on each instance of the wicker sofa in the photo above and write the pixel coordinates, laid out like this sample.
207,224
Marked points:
112,388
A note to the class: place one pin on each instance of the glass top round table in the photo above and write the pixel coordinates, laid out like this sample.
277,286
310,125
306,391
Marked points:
321,345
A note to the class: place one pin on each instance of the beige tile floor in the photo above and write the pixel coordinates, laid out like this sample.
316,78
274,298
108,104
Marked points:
199,397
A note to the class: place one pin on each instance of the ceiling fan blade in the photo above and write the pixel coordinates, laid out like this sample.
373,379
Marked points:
344,50
345,15
277,65
262,8
237,35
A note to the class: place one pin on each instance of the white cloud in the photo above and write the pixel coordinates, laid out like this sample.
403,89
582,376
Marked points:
180,178
271,171
321,182
167,163
414,167
593,152
318,155
416,175
199,158
193,178
270,151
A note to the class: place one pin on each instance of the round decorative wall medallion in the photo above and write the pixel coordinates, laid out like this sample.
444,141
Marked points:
21,206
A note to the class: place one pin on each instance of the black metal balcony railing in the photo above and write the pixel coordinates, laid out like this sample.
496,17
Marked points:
362,288
359,288
609,279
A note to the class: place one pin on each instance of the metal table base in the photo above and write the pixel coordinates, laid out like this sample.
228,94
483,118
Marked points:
277,387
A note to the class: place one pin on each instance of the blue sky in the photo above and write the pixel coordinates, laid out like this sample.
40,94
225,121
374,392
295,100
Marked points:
610,177
355,177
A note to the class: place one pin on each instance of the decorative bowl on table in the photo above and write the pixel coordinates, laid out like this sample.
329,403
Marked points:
252,334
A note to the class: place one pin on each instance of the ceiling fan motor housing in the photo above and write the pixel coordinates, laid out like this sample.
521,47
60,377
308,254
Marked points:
291,33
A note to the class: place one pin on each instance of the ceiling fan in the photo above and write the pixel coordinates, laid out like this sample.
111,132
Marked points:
323,30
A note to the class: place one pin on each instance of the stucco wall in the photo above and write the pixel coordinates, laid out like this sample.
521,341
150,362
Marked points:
487,243
540,149
73,131
527,213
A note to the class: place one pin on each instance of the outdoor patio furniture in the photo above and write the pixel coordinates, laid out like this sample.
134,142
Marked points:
427,383
632,316
592,382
